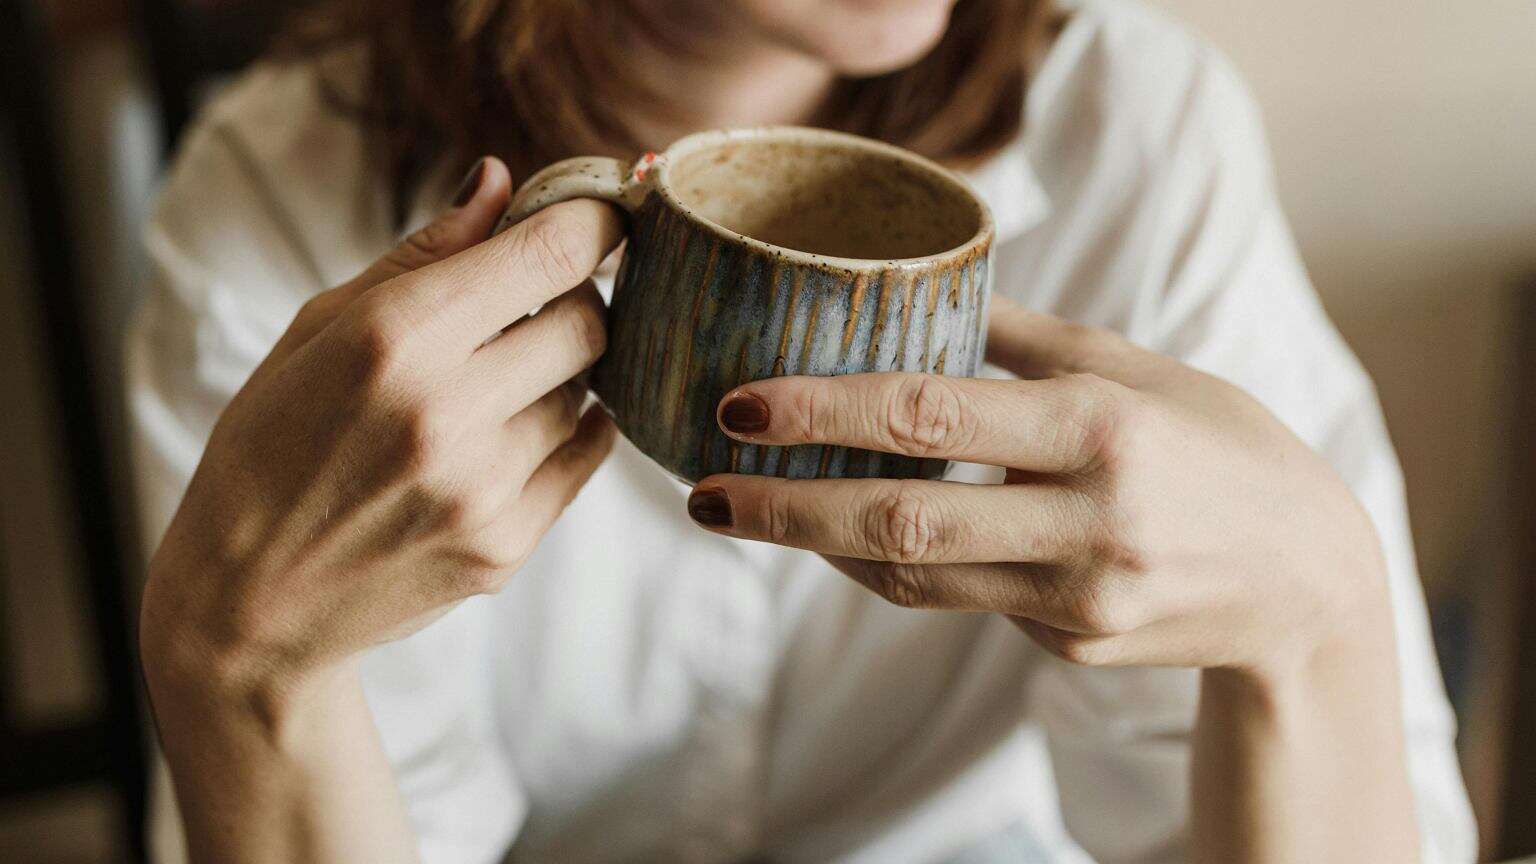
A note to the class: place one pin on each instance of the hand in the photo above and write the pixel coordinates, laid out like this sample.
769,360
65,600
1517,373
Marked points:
405,445
1151,514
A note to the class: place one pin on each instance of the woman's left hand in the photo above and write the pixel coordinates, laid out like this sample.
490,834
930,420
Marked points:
1151,514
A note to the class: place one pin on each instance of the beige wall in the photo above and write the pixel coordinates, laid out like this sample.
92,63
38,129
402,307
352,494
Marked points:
1405,143
1404,134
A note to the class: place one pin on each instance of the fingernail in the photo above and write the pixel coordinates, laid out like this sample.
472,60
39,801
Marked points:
470,184
710,507
744,414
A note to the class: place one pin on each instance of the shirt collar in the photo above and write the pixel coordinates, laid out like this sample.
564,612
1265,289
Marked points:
1007,182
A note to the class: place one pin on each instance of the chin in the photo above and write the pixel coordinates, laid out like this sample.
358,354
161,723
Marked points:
860,37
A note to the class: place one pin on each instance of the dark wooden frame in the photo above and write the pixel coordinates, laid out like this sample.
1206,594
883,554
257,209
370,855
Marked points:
1517,825
110,746
185,45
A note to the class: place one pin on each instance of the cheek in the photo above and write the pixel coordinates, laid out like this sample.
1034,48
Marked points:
858,37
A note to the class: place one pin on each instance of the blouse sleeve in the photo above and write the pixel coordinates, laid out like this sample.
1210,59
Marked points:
1205,248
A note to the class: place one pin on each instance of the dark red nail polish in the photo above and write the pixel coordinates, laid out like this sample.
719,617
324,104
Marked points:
744,414
470,184
710,507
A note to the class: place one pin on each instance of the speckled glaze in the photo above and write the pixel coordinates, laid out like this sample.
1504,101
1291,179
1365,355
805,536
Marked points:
699,309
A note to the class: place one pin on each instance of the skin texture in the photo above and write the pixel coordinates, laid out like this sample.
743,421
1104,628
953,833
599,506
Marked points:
851,37
755,62
1151,515
382,464
856,37
385,462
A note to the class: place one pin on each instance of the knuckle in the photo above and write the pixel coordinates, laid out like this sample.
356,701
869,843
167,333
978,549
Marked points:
1098,417
318,308
901,585
246,623
588,329
424,433
450,510
380,339
1112,548
515,550
553,241
497,552
927,414
478,575
779,519
903,528
494,581
813,409
439,508
476,506
1079,649
1099,613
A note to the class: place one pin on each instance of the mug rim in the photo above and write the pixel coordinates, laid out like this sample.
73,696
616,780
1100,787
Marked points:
977,243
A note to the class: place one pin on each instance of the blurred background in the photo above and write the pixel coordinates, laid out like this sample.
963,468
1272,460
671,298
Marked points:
1404,134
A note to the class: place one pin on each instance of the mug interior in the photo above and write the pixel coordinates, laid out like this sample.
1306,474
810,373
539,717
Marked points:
826,197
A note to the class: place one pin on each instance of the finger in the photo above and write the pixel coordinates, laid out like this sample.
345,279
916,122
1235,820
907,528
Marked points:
1019,591
539,353
534,433
1050,425
470,297
472,214
903,521
1082,649
483,561
499,466
1035,345
555,484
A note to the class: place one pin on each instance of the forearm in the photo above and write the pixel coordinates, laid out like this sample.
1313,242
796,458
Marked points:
1306,763
308,785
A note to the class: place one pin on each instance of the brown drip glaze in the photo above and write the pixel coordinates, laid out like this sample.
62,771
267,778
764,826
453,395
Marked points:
856,299
796,281
826,457
882,303
693,327
810,332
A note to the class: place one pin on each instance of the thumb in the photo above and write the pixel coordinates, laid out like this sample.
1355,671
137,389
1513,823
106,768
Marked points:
471,215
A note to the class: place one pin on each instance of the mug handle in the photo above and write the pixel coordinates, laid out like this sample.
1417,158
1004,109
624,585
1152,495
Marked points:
597,177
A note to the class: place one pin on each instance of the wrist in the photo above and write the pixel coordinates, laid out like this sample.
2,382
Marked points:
1339,607
1340,658
1349,632
193,679
197,706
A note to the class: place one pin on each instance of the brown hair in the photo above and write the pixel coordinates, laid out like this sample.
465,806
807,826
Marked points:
530,81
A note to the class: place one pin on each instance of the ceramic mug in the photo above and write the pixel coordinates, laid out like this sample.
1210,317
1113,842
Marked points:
777,251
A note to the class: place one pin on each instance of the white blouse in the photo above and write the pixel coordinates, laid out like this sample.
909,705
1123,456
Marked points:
645,690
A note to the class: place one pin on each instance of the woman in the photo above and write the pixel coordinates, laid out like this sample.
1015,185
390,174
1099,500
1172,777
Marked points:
1176,625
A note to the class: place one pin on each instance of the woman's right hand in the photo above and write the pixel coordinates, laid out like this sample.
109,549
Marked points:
386,461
